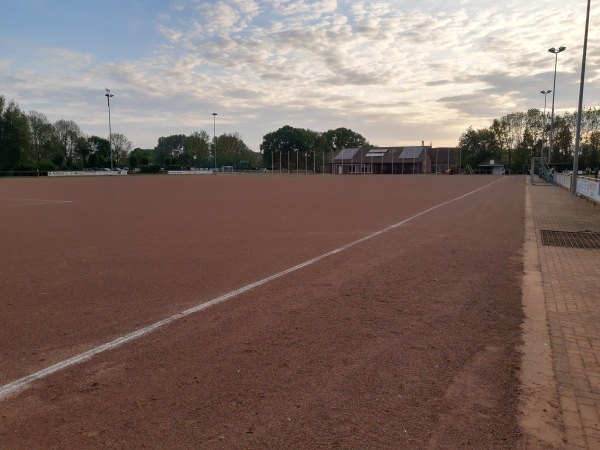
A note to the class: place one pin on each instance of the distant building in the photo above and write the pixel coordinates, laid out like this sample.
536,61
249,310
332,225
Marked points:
493,166
394,160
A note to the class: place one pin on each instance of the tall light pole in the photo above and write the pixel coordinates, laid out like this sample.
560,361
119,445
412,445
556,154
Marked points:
580,106
544,131
215,135
297,171
556,52
305,162
108,95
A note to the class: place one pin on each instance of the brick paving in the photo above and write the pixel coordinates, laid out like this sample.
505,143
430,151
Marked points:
571,285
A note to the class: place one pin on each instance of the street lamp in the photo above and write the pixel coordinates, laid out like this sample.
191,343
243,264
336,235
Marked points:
556,52
544,131
296,150
108,95
215,135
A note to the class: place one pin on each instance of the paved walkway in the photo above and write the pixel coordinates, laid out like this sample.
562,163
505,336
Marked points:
571,288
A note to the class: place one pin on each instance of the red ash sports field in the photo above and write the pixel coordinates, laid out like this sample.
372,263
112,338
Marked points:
405,340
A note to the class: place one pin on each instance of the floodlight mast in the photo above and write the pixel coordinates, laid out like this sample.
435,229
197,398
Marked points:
215,135
108,95
580,106
544,131
556,52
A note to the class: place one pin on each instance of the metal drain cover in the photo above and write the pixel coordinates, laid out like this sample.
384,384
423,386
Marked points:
572,239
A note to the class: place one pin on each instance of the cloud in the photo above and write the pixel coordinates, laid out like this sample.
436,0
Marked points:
384,67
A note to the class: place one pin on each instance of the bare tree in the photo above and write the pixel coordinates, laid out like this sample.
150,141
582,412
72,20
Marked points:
42,133
121,147
67,132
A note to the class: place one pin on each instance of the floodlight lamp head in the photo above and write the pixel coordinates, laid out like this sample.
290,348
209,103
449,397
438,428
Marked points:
556,52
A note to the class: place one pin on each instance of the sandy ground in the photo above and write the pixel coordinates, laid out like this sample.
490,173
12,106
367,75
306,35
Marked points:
409,339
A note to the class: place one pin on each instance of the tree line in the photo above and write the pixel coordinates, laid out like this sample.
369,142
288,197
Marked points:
516,137
291,148
29,142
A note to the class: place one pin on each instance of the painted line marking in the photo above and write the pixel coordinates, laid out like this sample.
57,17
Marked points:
23,382
36,201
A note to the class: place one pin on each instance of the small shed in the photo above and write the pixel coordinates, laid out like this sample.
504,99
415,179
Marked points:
493,166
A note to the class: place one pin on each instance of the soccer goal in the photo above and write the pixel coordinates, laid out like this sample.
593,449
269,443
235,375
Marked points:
540,171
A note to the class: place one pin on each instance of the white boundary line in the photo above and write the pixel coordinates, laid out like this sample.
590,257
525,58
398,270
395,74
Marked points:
37,201
23,382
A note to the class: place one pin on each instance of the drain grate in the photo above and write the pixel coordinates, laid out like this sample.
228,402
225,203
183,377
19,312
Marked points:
576,239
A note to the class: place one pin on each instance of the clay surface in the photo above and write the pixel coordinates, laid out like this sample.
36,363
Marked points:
406,340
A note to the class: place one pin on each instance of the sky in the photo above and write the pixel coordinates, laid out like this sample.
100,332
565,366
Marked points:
399,72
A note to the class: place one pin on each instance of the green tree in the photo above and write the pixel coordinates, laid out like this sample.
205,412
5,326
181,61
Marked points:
563,141
590,151
133,161
100,152
83,149
197,149
281,143
523,152
503,131
15,136
344,138
169,146
477,145
277,145
144,156
232,149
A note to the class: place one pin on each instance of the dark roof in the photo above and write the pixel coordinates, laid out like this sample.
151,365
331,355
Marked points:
409,154
346,154
379,154
443,155
492,162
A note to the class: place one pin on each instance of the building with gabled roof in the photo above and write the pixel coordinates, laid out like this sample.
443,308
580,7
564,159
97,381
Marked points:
493,166
393,160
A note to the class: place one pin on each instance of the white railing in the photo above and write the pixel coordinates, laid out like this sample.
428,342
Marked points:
586,187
